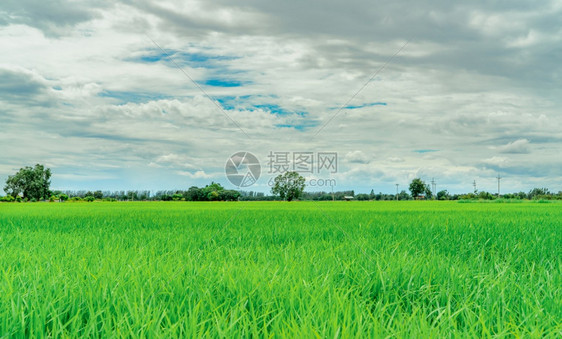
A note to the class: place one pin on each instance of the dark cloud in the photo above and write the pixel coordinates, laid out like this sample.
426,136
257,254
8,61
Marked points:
478,37
53,17
478,80
20,86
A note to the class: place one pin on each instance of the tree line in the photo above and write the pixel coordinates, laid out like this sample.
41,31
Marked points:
32,184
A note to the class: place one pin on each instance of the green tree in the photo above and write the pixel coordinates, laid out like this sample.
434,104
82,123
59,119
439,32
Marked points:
419,187
428,193
538,193
483,195
443,195
212,192
32,182
229,195
288,186
403,195
98,195
194,193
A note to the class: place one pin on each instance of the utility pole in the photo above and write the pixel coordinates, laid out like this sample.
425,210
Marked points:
474,184
396,191
433,187
499,178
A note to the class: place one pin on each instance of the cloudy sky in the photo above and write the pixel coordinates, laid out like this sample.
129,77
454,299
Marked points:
102,91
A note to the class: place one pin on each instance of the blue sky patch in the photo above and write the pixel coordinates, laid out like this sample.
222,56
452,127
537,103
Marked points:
184,58
255,102
136,97
366,105
299,126
224,83
277,110
422,151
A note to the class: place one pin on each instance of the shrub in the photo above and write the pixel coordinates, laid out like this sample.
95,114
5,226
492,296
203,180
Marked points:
8,198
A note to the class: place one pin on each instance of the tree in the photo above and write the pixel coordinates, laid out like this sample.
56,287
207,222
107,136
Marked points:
483,195
362,197
98,195
212,192
193,194
537,193
288,186
418,187
32,182
443,195
403,195
229,195
428,194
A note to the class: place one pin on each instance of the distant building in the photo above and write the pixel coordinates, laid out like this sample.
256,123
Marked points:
347,197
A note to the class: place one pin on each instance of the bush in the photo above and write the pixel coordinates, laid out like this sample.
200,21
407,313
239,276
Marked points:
468,196
485,196
443,195
8,198
465,201
543,201
89,198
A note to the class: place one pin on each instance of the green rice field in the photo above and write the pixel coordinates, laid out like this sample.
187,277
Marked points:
277,269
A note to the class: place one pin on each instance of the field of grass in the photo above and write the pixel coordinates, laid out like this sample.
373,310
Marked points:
301,269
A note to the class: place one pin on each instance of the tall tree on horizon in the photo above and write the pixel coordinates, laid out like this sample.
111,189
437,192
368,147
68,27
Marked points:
32,182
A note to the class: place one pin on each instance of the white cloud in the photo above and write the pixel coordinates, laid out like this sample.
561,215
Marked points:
496,161
357,157
474,81
195,175
520,146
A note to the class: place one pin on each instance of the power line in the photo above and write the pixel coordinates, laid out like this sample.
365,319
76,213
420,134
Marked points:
342,107
213,100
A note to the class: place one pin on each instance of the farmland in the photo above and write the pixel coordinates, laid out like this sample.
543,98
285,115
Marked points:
330,269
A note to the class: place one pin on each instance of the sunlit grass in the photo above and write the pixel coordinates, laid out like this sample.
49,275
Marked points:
305,269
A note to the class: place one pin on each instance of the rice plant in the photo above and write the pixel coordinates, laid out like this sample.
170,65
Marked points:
273,269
